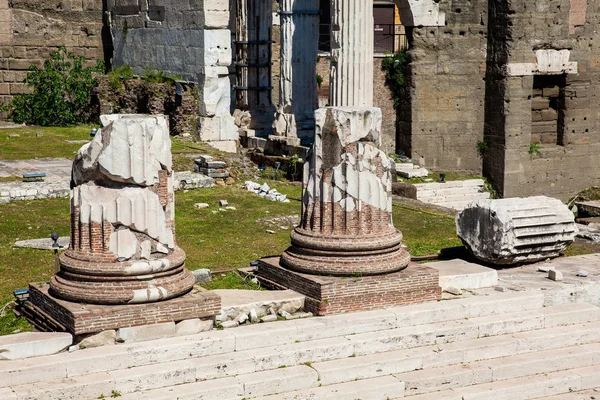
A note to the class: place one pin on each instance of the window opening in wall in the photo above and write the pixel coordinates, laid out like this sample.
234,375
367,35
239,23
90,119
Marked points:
547,109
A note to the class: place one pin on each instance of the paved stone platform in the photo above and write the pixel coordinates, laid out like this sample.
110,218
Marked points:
326,295
80,318
56,183
490,346
462,274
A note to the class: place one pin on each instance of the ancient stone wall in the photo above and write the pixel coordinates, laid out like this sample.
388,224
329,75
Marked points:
544,138
31,29
442,114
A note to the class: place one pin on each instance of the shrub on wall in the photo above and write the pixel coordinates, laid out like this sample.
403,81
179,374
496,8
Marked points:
61,92
394,67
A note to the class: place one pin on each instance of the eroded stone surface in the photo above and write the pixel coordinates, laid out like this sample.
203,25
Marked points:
347,200
123,247
516,230
32,344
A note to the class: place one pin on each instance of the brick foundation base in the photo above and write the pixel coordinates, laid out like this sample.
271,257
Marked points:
328,295
80,318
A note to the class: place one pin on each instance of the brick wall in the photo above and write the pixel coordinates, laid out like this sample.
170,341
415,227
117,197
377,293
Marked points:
570,162
31,29
442,113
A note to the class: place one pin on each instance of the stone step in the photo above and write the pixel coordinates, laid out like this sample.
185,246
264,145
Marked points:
261,366
524,388
589,394
427,357
451,184
448,191
459,197
383,388
215,343
500,369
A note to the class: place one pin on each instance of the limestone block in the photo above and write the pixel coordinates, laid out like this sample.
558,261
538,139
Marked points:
218,128
214,92
192,326
202,275
33,344
228,146
516,230
217,48
145,332
421,13
103,338
128,149
216,19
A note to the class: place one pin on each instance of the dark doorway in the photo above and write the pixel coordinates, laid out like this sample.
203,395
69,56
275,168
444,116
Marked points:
384,28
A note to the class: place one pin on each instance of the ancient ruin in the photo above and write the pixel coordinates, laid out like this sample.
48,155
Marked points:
346,223
516,230
123,247
346,254
123,250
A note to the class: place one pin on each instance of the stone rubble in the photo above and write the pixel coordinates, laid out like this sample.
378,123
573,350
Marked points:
206,165
202,275
265,191
188,180
555,275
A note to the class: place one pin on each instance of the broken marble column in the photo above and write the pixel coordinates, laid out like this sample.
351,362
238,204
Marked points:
298,98
352,48
346,226
217,126
123,248
516,230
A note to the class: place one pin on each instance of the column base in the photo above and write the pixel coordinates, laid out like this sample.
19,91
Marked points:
326,295
50,313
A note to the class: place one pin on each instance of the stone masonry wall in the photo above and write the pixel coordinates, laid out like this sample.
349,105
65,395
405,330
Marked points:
569,162
31,29
442,116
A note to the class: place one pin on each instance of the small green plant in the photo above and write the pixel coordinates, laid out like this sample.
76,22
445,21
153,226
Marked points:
102,396
319,80
282,366
61,92
394,67
308,364
534,148
292,166
118,75
115,393
272,173
482,148
157,76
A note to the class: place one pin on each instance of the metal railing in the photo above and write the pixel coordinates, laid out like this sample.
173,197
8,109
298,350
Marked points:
389,38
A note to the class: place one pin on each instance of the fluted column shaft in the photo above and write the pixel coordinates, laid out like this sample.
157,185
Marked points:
352,47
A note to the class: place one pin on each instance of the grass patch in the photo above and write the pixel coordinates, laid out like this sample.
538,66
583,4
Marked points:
231,280
450,176
39,142
425,232
12,178
219,241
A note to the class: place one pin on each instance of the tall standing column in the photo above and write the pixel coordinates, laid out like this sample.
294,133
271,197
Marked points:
352,47
298,98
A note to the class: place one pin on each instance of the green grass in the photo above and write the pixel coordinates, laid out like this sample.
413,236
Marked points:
38,142
425,232
219,241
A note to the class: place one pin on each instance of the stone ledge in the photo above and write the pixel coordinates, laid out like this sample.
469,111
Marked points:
80,318
328,295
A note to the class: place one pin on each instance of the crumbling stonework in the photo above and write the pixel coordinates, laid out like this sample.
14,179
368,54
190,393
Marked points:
31,30
123,248
346,223
189,40
516,230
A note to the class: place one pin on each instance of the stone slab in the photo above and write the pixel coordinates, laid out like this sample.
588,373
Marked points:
142,333
464,275
33,344
43,244
382,388
80,318
328,295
